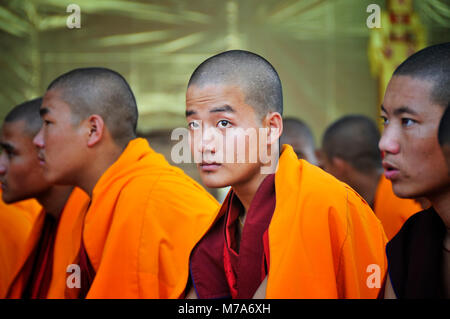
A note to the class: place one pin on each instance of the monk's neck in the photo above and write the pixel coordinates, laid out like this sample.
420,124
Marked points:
54,200
441,204
97,167
246,191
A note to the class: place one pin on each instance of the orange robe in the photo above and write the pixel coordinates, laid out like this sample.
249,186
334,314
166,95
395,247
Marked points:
391,210
144,219
324,239
323,236
65,250
16,221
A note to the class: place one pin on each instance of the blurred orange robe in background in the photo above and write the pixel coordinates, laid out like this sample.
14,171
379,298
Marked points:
391,210
16,222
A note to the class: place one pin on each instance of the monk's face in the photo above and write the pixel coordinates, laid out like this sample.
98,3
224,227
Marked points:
21,176
60,141
221,125
413,160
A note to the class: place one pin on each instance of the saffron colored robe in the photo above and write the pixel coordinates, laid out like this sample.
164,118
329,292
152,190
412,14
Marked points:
16,221
144,219
391,210
324,239
64,251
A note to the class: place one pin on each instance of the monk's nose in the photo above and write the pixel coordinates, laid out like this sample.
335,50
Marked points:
389,143
208,140
39,139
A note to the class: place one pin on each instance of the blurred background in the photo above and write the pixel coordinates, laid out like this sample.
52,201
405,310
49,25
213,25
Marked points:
330,61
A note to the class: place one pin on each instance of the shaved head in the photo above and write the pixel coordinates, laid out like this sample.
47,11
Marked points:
103,92
28,112
432,64
253,74
354,138
298,134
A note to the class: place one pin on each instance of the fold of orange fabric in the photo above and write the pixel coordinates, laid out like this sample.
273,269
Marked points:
144,219
324,239
65,247
391,210
16,222
67,242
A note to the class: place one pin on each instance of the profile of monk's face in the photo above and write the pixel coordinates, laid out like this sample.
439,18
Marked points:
413,159
21,176
60,140
223,134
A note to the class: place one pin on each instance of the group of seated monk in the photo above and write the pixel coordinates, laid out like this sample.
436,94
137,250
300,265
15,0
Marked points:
90,210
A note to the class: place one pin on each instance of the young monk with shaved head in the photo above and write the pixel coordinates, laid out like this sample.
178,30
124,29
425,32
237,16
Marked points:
145,216
38,270
287,229
414,103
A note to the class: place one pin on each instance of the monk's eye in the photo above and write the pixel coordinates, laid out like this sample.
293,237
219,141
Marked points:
407,122
223,124
194,125
384,120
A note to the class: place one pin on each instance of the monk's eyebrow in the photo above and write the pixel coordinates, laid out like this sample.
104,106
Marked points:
403,110
43,111
7,147
190,112
225,108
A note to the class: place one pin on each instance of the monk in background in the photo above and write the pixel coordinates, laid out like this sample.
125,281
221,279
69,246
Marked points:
287,229
415,100
298,134
145,215
22,177
351,154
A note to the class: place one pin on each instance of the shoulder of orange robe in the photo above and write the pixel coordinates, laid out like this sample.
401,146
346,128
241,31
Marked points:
37,274
143,221
323,239
16,223
391,210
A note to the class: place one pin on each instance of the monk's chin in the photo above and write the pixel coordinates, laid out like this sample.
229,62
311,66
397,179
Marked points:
213,182
405,192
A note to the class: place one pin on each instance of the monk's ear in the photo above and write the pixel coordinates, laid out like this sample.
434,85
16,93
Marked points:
340,167
274,122
96,127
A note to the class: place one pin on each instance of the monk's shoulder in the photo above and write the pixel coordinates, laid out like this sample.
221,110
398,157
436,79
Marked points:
163,185
331,195
321,184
